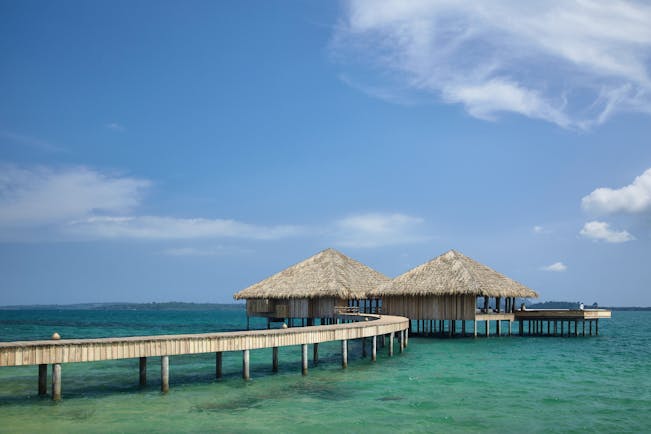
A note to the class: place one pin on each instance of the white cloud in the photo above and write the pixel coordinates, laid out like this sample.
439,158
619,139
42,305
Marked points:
79,203
114,126
573,63
556,267
32,142
378,229
601,231
165,228
540,230
210,251
633,198
41,195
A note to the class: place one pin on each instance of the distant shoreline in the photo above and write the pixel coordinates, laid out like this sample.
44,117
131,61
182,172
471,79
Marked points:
154,306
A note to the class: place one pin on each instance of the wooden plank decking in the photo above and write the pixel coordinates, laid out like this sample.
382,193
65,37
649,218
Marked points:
90,350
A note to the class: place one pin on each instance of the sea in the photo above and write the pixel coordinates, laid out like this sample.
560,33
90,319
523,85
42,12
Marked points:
492,385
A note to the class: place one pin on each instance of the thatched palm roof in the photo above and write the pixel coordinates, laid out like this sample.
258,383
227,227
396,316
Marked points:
326,274
453,273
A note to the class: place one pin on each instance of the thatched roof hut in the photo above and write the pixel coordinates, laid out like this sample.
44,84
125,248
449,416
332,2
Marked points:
453,273
327,274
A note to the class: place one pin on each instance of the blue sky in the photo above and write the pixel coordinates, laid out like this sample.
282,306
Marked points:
157,151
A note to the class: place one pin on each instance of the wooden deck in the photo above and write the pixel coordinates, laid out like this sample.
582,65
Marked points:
57,352
560,322
563,314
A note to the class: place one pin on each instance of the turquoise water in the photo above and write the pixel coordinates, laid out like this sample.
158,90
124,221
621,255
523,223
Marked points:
597,384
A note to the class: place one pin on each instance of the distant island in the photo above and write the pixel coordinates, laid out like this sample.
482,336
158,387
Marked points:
171,305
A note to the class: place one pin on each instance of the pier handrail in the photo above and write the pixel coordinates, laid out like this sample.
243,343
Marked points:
20,353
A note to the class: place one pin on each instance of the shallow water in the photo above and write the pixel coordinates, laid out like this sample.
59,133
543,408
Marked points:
536,384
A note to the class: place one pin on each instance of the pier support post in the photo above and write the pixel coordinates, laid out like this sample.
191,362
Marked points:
56,382
245,365
391,338
218,364
474,328
596,327
164,374
42,379
143,371
521,327
304,359
344,353
510,327
315,355
488,328
406,338
463,327
498,327
374,349
402,341
274,362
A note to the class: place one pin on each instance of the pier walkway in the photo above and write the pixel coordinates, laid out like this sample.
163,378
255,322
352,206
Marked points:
58,352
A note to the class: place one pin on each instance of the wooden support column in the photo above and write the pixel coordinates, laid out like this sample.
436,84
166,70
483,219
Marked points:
510,327
374,349
56,382
315,354
143,371
42,379
164,374
488,328
596,327
304,359
474,328
402,341
583,328
498,327
344,353
274,361
590,324
463,327
576,327
246,374
218,364
451,323
406,338
391,337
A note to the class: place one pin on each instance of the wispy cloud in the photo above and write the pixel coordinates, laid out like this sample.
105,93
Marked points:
633,198
555,267
167,228
378,229
114,126
541,230
601,231
204,251
80,203
43,195
32,142
573,63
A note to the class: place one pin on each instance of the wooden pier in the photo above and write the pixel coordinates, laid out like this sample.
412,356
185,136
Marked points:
543,322
560,322
58,352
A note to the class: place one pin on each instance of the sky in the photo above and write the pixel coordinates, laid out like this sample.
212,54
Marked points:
174,151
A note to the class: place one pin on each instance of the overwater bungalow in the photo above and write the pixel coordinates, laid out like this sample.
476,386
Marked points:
450,288
311,289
